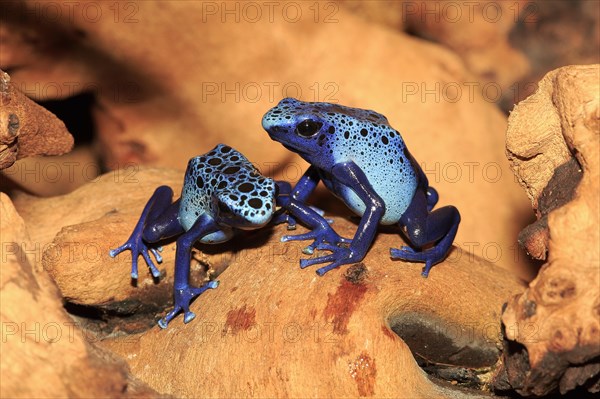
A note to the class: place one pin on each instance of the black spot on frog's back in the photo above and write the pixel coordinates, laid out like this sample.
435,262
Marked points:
255,203
230,170
246,187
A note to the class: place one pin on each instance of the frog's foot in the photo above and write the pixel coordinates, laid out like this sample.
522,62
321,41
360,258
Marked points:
283,217
323,239
430,256
339,256
183,297
138,247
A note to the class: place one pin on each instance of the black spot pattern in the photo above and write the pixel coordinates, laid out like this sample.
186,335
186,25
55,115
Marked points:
224,184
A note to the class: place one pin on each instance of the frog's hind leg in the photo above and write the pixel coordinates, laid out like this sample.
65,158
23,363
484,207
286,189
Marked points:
424,228
183,292
432,198
162,221
158,221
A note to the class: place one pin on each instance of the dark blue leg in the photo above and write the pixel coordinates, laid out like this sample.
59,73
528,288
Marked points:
300,193
306,185
351,175
158,220
432,198
424,228
432,195
183,293
320,230
284,190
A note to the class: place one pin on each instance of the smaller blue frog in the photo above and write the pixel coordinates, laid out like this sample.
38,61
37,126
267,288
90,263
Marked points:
362,160
222,194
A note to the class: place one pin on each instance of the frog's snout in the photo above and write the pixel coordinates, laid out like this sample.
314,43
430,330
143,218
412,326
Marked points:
269,123
273,127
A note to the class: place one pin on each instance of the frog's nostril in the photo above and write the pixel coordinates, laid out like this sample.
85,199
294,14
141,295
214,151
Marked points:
272,128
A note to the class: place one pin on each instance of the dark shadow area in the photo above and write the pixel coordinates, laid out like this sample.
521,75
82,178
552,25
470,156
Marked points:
76,113
445,351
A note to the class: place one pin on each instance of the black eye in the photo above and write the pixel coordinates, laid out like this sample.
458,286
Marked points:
308,128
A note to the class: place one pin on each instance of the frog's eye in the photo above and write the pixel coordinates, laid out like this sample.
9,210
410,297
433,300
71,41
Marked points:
308,128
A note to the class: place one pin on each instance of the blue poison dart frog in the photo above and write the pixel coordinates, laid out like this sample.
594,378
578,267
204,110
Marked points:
222,194
362,160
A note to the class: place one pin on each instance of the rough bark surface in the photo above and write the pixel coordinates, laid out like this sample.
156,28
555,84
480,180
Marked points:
553,329
44,352
26,128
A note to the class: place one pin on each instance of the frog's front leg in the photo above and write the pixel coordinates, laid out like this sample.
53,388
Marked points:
424,228
284,190
352,176
158,221
183,293
295,204
300,193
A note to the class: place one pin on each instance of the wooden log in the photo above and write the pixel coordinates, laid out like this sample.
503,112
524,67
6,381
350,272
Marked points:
553,330
44,352
270,328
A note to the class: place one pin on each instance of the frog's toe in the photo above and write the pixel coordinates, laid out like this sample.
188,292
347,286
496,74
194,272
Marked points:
114,252
309,250
153,269
183,297
327,247
329,267
210,285
280,218
156,252
431,257
189,316
407,253
428,265
164,322
134,268
304,263
299,237
338,247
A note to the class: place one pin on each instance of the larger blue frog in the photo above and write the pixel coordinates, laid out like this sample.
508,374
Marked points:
222,194
363,161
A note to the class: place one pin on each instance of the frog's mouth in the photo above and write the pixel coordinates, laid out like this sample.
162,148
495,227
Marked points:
280,134
300,151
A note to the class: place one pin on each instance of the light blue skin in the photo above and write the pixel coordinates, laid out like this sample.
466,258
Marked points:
363,161
222,194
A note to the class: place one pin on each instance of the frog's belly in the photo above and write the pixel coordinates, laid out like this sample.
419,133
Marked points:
187,220
217,237
396,197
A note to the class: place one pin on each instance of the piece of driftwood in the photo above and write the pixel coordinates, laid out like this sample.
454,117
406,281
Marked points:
553,329
45,353
26,128
280,330
271,328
